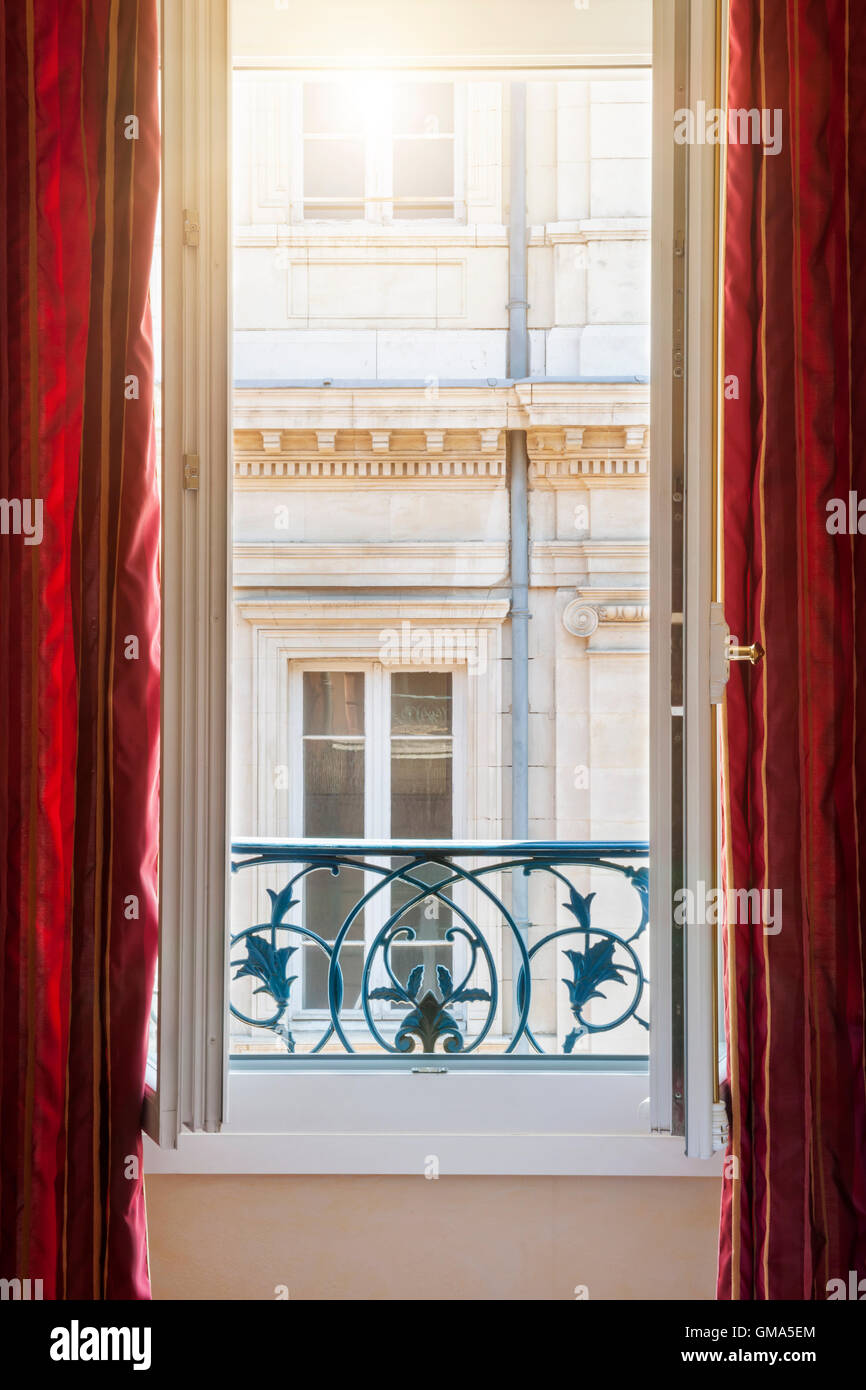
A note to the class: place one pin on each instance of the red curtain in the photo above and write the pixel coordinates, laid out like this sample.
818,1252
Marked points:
79,631
794,752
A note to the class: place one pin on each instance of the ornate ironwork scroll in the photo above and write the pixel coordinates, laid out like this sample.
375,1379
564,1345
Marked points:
402,1005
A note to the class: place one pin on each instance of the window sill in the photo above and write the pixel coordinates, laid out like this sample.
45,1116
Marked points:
473,1155
472,1123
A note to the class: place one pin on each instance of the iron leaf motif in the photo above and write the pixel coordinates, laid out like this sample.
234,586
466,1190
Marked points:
281,903
429,1020
269,964
580,907
592,968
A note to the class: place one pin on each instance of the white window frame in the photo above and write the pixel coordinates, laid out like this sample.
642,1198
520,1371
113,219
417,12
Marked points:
192,1074
458,141
377,778
541,1119
280,639
378,198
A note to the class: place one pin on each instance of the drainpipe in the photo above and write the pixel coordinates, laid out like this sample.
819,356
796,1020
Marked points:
518,368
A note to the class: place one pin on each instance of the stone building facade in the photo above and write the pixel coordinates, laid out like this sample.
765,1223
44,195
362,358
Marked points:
371,496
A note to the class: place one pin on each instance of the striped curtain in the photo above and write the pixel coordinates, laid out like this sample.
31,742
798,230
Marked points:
79,631
794,748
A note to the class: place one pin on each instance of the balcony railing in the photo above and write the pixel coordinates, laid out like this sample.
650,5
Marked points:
415,948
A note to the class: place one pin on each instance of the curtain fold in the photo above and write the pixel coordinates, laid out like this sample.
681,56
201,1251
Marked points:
794,729
79,634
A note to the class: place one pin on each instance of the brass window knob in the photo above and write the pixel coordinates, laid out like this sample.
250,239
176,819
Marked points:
753,653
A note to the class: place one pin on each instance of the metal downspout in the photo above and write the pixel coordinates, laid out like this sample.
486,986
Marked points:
518,369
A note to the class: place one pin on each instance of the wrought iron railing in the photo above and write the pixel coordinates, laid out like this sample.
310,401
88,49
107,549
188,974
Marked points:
444,901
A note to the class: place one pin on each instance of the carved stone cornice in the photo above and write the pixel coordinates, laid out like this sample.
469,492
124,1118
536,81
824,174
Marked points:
255,468
579,434
584,405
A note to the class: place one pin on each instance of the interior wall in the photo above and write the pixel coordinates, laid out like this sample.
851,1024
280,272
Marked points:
378,29
411,1238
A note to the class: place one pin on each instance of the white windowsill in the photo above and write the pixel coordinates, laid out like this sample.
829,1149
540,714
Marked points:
490,1155
474,1123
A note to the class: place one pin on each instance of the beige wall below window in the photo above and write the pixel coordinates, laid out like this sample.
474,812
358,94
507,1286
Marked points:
408,1238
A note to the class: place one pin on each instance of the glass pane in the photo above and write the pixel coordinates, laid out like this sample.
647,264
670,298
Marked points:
421,788
423,169
423,108
430,917
334,169
333,788
329,108
316,967
421,802
328,900
333,704
333,807
421,702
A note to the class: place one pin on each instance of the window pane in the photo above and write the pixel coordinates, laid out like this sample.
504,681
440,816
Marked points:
330,108
333,703
328,900
423,169
423,108
333,807
430,918
421,809
421,788
333,787
421,702
317,965
334,169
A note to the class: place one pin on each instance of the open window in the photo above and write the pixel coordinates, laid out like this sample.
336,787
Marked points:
437,571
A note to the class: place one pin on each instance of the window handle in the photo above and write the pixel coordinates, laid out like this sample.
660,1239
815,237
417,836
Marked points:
725,648
753,653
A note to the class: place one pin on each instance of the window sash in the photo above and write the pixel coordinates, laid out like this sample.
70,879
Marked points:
379,203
